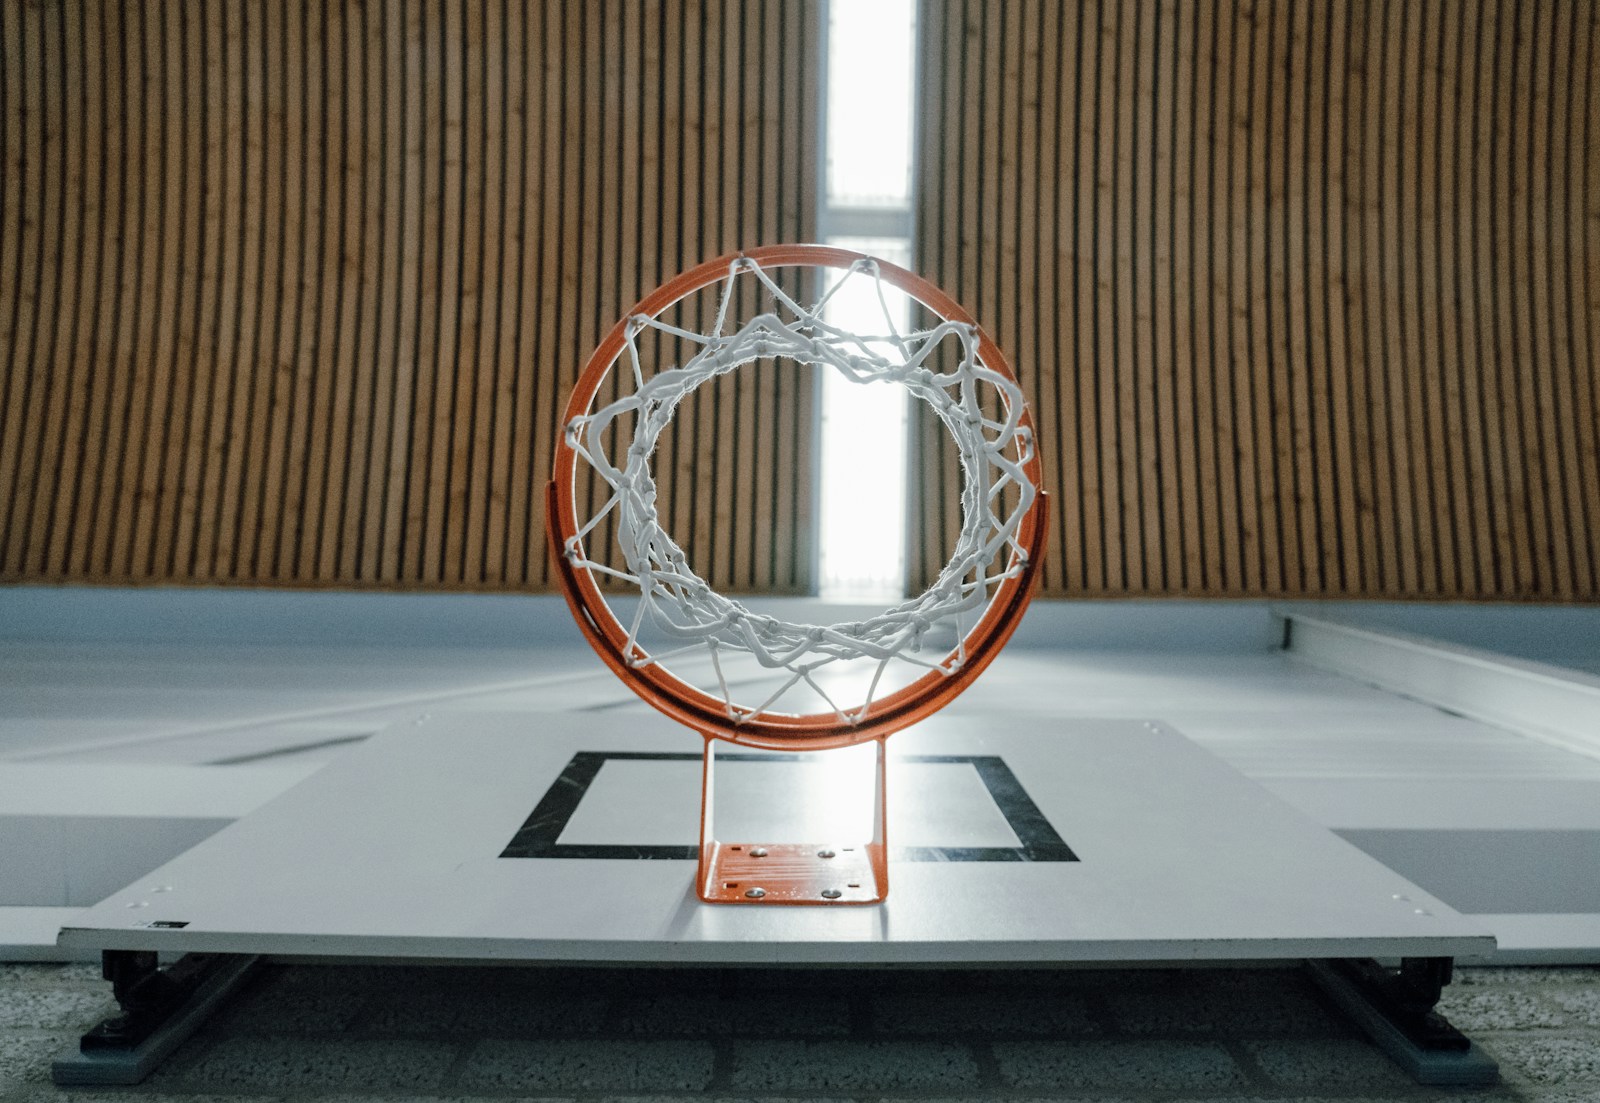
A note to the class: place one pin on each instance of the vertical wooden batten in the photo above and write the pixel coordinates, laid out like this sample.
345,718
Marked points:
292,295
1306,296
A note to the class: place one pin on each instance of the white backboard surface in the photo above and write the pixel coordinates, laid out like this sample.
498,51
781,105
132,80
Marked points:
395,850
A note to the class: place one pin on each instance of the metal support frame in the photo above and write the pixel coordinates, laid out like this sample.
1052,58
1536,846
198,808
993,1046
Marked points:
1396,1008
160,1009
820,872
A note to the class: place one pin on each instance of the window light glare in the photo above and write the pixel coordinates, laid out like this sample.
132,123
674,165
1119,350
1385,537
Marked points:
869,102
868,132
862,528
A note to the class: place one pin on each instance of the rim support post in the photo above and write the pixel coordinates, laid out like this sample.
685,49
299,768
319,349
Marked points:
825,872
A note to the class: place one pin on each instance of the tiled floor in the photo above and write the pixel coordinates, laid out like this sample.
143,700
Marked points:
352,1032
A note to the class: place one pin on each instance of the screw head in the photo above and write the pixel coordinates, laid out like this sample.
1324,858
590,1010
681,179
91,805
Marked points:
831,894
755,894
825,854
758,852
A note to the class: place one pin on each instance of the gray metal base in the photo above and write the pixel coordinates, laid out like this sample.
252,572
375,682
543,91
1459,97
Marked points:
1446,1068
130,1066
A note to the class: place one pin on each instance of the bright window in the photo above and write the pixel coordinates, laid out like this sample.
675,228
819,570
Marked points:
866,207
870,89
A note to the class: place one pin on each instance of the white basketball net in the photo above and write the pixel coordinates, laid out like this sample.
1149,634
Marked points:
694,617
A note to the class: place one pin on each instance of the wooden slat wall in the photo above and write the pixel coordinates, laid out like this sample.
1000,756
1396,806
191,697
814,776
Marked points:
292,294
1306,295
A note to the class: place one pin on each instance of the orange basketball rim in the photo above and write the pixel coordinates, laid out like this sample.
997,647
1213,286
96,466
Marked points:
704,712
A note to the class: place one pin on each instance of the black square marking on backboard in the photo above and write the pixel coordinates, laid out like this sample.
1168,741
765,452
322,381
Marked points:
538,835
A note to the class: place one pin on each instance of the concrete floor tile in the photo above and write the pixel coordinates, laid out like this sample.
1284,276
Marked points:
725,1099
982,1013
794,1013
1127,979
144,1093
1287,1010
1524,975
1565,1060
383,980
612,981
966,982
442,1097
1412,1093
1581,1005
1266,980
1259,1010
530,1014
49,972
84,971
585,1065
307,1064
765,982
556,981
459,1009
1116,1066
28,1007
853,1066
1327,1063
990,1096
288,1003
1502,1007
25,1056
354,978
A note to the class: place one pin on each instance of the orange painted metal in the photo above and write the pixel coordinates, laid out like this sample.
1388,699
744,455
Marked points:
852,871
690,705
794,873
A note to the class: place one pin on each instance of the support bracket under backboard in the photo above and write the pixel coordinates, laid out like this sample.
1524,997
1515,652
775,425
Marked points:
852,871
1395,1007
161,1008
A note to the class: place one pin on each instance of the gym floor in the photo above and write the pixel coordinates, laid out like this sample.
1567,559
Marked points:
373,1032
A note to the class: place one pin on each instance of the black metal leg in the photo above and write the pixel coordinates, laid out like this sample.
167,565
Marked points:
1407,996
160,1008
147,994
1396,1007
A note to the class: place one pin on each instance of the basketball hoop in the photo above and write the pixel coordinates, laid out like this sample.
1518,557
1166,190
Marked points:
739,676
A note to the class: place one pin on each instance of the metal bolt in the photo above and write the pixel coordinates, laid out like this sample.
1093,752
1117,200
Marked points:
831,894
759,852
825,854
755,894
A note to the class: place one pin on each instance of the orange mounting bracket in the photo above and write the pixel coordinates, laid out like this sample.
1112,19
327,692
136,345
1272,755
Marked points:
827,871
